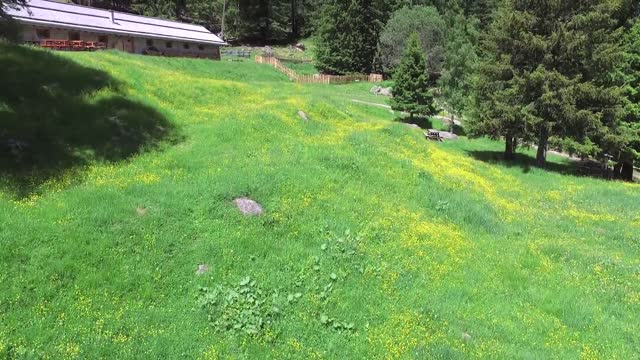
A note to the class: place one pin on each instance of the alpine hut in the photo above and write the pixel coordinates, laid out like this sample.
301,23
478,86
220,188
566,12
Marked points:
74,27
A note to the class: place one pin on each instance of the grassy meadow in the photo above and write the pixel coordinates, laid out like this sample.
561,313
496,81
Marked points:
374,242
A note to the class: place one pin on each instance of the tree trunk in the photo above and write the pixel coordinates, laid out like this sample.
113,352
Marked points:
224,11
509,148
180,9
626,171
294,20
543,139
617,170
411,117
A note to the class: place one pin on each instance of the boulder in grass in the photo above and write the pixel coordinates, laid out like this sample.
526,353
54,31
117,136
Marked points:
385,92
466,337
141,211
448,136
248,207
202,269
303,115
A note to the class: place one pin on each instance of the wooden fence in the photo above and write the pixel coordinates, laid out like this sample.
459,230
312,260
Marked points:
317,78
293,60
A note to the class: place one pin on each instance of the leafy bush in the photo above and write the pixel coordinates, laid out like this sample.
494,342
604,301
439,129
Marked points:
241,308
430,27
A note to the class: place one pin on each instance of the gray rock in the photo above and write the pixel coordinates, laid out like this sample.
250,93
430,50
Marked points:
413,126
385,92
379,90
466,337
303,115
202,269
448,136
447,120
248,207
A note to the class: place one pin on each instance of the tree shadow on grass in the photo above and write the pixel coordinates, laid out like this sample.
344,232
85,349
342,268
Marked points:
57,115
459,130
424,123
526,162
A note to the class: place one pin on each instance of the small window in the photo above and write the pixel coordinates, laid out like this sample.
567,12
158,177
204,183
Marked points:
74,35
43,33
169,44
149,42
186,46
201,47
103,39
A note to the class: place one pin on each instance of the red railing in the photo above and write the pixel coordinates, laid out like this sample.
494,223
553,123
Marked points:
78,45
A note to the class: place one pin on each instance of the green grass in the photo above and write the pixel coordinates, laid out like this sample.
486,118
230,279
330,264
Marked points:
280,51
421,242
288,52
302,68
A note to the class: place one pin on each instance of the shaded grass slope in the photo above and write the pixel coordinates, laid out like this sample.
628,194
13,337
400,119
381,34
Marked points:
57,115
374,243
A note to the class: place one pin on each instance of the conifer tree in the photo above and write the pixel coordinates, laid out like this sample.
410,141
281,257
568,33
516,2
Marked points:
459,65
9,3
411,91
547,76
347,36
624,141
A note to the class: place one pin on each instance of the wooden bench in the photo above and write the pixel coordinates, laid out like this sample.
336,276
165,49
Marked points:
433,135
55,44
77,45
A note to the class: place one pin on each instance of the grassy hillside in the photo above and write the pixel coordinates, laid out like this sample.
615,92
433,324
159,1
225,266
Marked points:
374,243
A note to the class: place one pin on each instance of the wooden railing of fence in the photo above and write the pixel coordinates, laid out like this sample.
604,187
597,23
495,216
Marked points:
317,78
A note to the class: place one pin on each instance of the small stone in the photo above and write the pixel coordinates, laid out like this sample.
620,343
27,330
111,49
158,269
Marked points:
413,126
202,268
141,211
248,207
466,337
303,115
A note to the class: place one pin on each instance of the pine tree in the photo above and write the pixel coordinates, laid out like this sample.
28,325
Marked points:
347,36
459,65
411,91
624,141
546,76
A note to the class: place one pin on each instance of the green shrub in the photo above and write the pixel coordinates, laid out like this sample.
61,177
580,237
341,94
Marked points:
430,27
240,308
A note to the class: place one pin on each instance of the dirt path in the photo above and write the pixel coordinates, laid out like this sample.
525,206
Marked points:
372,104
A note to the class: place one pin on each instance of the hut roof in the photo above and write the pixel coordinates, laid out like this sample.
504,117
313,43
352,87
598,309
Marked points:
84,18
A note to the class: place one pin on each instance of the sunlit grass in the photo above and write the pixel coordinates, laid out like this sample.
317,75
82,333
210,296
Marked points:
422,242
